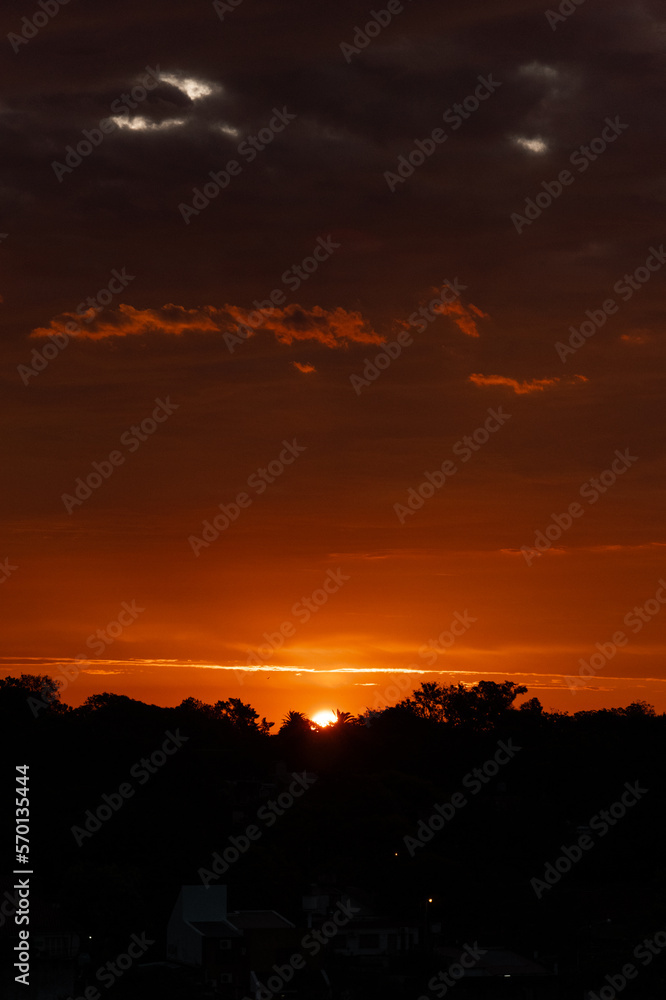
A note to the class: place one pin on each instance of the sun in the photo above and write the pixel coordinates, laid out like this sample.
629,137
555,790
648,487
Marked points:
324,718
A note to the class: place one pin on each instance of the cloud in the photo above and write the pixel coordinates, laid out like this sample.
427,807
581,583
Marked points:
141,124
604,548
462,316
640,546
554,550
539,70
637,337
194,89
536,145
524,387
331,327
305,368
127,321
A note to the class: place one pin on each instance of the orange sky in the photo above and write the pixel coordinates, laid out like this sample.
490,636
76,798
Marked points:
389,627
318,373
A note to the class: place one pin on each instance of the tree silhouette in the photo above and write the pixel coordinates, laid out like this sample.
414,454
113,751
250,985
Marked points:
533,705
296,723
241,716
482,706
638,710
194,705
34,692
428,702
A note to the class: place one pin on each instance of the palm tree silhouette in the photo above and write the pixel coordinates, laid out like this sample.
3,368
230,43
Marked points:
296,722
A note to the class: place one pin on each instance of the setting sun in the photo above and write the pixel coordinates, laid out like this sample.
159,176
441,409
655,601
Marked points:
324,718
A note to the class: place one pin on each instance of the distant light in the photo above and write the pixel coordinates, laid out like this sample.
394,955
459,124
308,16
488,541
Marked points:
194,89
430,900
228,129
533,145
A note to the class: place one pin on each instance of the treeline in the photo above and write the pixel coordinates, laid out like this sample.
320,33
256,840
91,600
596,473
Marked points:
480,707
169,787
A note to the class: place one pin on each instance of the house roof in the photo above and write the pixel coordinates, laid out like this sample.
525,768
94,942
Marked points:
498,962
258,920
205,911
380,927
214,928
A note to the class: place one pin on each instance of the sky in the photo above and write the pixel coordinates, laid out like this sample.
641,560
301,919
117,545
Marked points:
332,358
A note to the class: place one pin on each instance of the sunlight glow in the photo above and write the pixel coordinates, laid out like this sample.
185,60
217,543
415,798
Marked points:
324,718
